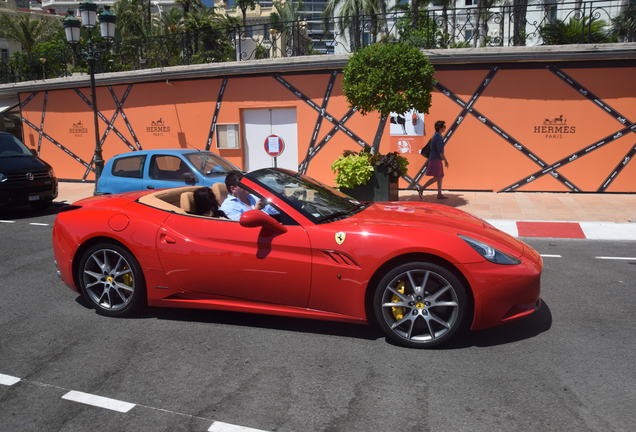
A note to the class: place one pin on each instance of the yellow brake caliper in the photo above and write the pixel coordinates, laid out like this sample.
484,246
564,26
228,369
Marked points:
398,311
127,278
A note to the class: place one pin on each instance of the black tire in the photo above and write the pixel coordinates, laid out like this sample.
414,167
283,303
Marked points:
111,280
430,301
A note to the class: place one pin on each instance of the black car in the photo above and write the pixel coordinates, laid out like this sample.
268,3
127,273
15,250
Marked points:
24,177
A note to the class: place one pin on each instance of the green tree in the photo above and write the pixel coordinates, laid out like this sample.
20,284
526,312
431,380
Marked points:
584,30
169,22
484,14
244,5
285,11
131,19
28,31
419,29
387,78
350,20
189,5
291,31
209,36
624,25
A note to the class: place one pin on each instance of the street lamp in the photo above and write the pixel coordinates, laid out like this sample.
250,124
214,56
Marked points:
107,20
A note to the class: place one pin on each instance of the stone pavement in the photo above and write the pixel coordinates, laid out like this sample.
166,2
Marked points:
525,214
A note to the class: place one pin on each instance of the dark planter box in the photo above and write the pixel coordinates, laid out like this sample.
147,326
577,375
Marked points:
381,187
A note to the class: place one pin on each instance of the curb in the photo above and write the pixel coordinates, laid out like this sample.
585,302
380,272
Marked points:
567,230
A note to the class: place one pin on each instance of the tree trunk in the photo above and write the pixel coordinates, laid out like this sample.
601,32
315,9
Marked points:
519,10
445,18
477,32
415,13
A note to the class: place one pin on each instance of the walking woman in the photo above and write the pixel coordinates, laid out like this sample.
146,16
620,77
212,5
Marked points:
434,166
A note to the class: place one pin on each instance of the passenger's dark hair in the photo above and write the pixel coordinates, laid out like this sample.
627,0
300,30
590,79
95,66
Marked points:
233,178
204,200
439,124
205,203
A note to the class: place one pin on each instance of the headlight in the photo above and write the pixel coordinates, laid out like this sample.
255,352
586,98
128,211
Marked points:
3,178
489,252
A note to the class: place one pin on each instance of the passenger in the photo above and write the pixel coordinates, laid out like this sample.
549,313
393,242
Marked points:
205,203
239,200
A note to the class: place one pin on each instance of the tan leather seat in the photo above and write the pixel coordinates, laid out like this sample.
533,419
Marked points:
220,192
186,201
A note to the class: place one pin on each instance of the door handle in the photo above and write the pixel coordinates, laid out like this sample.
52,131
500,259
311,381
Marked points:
167,239
150,187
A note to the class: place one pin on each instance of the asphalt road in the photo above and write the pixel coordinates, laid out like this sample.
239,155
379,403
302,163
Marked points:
568,367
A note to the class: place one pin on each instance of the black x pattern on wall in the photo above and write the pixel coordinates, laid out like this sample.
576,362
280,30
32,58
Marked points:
42,134
545,168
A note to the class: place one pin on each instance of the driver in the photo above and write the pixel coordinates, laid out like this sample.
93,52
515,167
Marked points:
239,200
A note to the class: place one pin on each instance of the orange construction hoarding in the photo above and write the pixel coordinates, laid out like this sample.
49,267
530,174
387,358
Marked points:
537,127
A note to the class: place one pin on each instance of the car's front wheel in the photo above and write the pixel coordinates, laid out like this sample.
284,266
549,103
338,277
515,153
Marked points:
111,279
420,304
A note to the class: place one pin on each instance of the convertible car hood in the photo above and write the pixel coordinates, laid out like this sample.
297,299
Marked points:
414,214
434,216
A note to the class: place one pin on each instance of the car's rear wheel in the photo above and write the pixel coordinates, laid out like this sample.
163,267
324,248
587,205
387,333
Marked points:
111,279
420,304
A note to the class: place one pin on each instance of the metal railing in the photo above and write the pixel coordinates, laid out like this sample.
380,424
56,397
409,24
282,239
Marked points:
437,27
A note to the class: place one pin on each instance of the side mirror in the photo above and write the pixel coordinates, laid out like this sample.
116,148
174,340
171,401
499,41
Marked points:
258,218
189,178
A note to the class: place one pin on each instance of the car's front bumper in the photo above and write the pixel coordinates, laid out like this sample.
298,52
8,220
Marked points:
29,192
504,293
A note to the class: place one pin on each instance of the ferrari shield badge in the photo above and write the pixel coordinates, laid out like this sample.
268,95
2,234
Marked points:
340,237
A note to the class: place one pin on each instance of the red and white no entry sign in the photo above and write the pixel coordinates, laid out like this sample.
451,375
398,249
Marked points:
274,145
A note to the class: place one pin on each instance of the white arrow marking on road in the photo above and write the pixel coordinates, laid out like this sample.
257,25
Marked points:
99,401
8,380
615,258
226,427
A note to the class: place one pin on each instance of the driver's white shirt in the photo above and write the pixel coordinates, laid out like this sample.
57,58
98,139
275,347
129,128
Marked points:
234,207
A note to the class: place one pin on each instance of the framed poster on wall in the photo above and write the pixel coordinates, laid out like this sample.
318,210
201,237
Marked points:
227,136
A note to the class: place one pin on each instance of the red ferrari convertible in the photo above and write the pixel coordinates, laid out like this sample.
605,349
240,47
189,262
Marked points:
422,272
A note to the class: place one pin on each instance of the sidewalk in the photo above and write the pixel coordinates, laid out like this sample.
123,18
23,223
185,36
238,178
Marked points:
558,215
547,215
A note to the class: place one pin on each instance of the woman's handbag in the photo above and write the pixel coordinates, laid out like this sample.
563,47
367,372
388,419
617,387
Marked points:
426,150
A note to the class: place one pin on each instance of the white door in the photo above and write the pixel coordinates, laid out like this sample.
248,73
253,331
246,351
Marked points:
261,123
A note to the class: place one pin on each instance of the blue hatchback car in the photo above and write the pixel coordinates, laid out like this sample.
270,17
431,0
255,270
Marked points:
163,168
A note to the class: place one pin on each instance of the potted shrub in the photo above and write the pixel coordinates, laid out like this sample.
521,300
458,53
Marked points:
383,78
369,177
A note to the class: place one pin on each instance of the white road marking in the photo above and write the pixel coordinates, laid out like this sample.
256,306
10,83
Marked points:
6,221
99,401
616,258
551,256
124,407
226,427
8,380
38,224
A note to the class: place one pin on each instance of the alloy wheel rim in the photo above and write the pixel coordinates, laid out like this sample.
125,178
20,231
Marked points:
420,305
108,279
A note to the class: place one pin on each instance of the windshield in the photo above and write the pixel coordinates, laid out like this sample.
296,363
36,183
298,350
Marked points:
319,203
210,164
11,146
